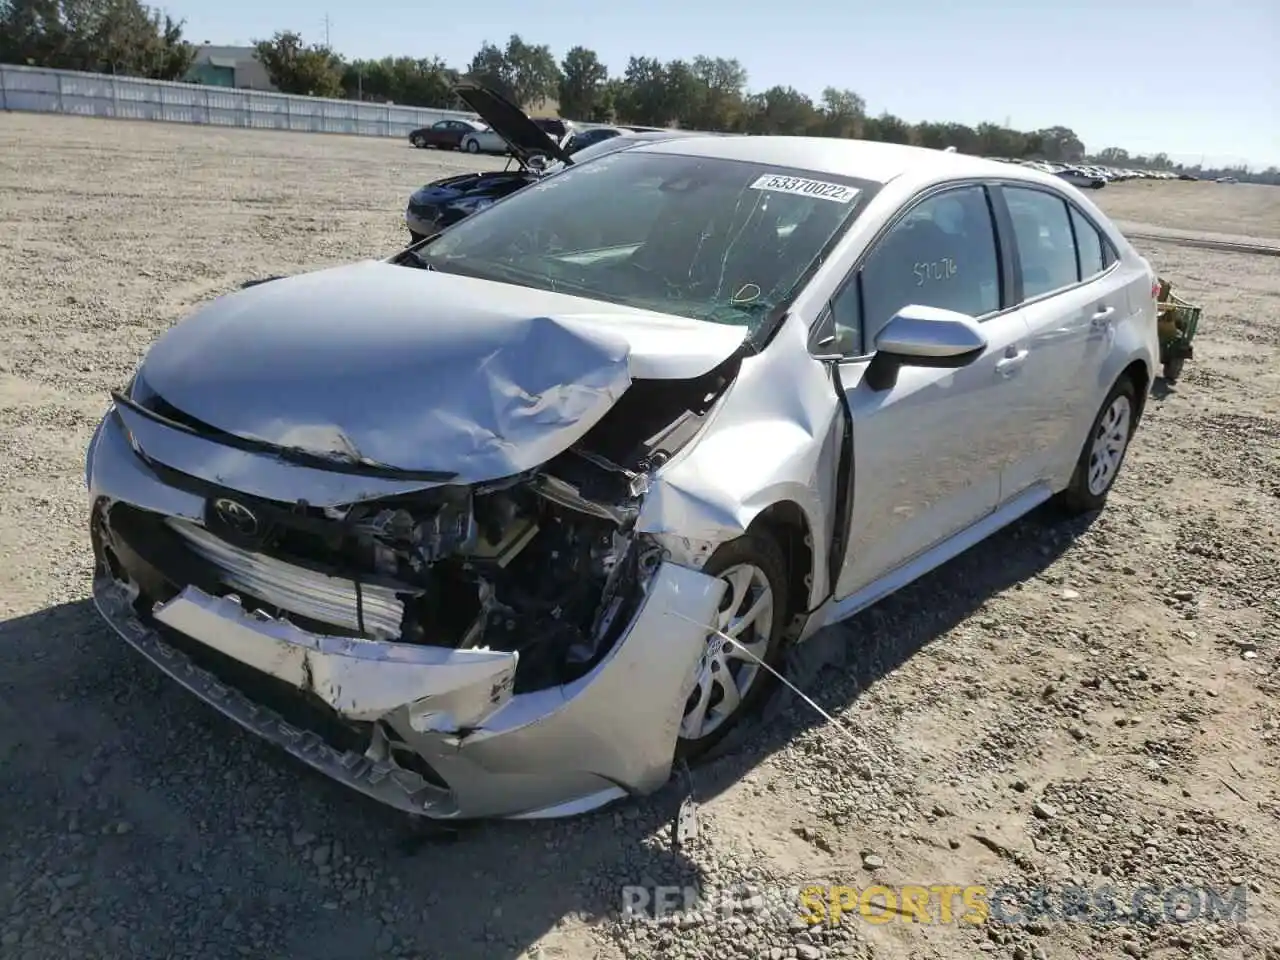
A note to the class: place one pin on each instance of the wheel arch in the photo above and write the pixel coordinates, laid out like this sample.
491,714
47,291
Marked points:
787,524
1139,375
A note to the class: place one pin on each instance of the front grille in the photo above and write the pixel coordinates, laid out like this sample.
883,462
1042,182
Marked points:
368,608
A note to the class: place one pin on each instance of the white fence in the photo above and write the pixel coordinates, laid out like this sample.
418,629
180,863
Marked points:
130,98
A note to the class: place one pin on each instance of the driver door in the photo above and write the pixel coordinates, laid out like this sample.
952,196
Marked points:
929,450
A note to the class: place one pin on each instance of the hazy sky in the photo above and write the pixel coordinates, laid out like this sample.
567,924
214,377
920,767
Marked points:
1190,77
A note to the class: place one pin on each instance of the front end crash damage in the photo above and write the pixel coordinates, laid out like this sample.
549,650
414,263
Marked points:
514,647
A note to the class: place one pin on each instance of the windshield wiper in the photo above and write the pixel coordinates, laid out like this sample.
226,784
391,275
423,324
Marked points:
417,259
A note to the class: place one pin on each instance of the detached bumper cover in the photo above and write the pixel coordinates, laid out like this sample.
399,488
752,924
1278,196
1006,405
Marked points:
557,751
383,781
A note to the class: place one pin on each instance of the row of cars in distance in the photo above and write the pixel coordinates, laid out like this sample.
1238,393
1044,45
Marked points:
1091,176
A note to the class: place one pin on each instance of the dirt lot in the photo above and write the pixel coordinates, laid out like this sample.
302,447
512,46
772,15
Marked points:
1092,704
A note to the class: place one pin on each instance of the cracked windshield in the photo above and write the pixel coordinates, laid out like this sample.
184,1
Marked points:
716,240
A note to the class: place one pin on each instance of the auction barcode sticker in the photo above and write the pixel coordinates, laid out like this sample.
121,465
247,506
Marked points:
819,189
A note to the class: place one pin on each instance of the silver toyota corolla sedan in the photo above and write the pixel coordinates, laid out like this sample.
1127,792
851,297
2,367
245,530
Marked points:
505,524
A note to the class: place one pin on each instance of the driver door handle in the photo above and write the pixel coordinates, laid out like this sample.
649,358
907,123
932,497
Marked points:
1103,317
1012,360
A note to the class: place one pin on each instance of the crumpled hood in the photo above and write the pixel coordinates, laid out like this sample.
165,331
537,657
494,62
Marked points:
418,370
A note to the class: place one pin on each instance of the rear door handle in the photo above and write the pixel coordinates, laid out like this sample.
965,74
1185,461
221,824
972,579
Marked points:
1103,317
1012,360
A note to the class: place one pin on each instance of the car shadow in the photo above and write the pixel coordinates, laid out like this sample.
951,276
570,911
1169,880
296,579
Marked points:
181,828
177,828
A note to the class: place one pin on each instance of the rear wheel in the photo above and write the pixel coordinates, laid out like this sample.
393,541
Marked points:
473,146
1103,452
731,682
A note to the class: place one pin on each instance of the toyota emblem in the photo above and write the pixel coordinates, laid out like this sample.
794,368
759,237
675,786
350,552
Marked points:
236,516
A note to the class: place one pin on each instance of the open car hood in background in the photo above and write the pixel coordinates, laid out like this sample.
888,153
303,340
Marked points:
509,122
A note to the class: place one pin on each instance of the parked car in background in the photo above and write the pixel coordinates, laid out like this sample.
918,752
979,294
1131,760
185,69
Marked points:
443,202
444,134
1079,176
490,140
508,523
589,136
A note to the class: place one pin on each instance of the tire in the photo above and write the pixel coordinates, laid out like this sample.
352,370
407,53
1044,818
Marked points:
752,561
473,146
417,142
1113,429
1173,368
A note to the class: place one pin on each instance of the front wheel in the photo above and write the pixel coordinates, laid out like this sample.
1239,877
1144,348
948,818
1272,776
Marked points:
1104,450
731,682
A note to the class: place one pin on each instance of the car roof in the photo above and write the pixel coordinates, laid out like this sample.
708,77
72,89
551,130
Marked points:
867,160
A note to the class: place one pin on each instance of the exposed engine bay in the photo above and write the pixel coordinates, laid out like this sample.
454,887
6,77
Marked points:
545,563
499,568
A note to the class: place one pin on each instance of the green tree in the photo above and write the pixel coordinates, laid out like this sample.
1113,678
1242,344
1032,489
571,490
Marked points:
1060,143
780,111
489,67
887,128
1113,156
535,76
110,36
294,67
403,80
606,107
582,83
523,73
683,92
642,97
842,114
720,97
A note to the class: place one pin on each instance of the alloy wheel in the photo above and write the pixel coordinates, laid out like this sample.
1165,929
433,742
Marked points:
727,671
1109,443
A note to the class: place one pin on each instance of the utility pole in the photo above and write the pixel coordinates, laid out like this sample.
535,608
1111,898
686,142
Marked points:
326,31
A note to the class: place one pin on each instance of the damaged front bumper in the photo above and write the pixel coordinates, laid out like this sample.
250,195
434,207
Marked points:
431,730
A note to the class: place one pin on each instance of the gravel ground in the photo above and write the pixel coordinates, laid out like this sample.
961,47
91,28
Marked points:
1091,704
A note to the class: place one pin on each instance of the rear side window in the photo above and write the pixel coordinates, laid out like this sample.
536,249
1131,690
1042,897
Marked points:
941,254
1042,232
1090,244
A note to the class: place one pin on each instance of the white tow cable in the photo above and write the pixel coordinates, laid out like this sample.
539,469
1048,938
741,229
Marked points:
728,643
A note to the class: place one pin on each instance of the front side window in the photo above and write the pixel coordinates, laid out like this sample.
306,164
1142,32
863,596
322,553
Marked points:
1042,232
718,240
1090,244
941,254
442,125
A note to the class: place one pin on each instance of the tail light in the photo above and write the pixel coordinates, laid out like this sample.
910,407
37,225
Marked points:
1155,288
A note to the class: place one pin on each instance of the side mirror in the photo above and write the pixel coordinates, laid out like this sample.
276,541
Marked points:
920,336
